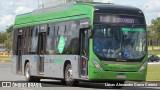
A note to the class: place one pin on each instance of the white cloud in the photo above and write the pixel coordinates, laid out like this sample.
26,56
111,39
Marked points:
11,8
151,10
6,20
27,3
158,14
21,10
152,6
11,3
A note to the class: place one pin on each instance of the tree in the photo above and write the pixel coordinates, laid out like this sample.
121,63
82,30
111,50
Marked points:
8,42
154,30
6,38
3,37
9,29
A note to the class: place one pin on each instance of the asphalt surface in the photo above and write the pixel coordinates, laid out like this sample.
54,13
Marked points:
6,75
155,63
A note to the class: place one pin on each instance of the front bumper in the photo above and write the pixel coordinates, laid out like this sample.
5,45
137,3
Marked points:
101,75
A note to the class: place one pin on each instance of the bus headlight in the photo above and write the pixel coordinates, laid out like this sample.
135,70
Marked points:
96,64
143,67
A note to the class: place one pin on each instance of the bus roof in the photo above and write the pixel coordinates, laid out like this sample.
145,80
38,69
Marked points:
54,14
66,12
111,8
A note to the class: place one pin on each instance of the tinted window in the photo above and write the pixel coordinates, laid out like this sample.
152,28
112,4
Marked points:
34,40
69,32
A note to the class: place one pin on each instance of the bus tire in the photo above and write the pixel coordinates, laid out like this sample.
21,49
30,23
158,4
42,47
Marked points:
63,82
28,77
36,79
68,76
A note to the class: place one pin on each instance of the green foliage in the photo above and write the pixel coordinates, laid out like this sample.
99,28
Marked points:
6,38
5,58
3,37
9,29
2,57
154,30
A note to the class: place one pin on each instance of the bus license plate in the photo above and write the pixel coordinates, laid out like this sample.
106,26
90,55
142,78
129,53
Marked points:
121,76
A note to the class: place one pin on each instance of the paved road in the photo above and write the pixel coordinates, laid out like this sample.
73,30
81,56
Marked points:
154,63
6,75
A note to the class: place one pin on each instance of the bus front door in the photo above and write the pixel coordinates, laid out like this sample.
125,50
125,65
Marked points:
19,54
84,53
41,52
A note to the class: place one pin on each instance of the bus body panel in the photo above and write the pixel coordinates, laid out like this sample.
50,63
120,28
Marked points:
32,60
25,58
53,65
101,75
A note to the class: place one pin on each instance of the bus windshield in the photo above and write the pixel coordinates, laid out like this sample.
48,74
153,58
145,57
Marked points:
119,42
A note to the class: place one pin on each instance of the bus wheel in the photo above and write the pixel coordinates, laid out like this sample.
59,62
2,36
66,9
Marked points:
28,77
69,76
63,82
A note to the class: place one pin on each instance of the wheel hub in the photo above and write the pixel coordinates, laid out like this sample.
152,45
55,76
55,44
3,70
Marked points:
27,73
69,75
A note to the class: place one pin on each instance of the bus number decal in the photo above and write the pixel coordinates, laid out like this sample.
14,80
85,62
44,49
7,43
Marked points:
35,58
61,44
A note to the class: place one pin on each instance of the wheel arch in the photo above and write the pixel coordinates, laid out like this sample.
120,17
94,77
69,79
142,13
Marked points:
26,61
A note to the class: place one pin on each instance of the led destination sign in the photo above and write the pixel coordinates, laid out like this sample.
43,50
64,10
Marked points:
112,19
121,19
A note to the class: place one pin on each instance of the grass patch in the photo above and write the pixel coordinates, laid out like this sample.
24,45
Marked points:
153,73
153,52
4,56
153,46
8,60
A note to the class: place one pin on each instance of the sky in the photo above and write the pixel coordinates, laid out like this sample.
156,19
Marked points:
11,8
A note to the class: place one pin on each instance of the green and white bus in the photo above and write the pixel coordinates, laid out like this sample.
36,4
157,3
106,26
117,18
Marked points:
79,41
